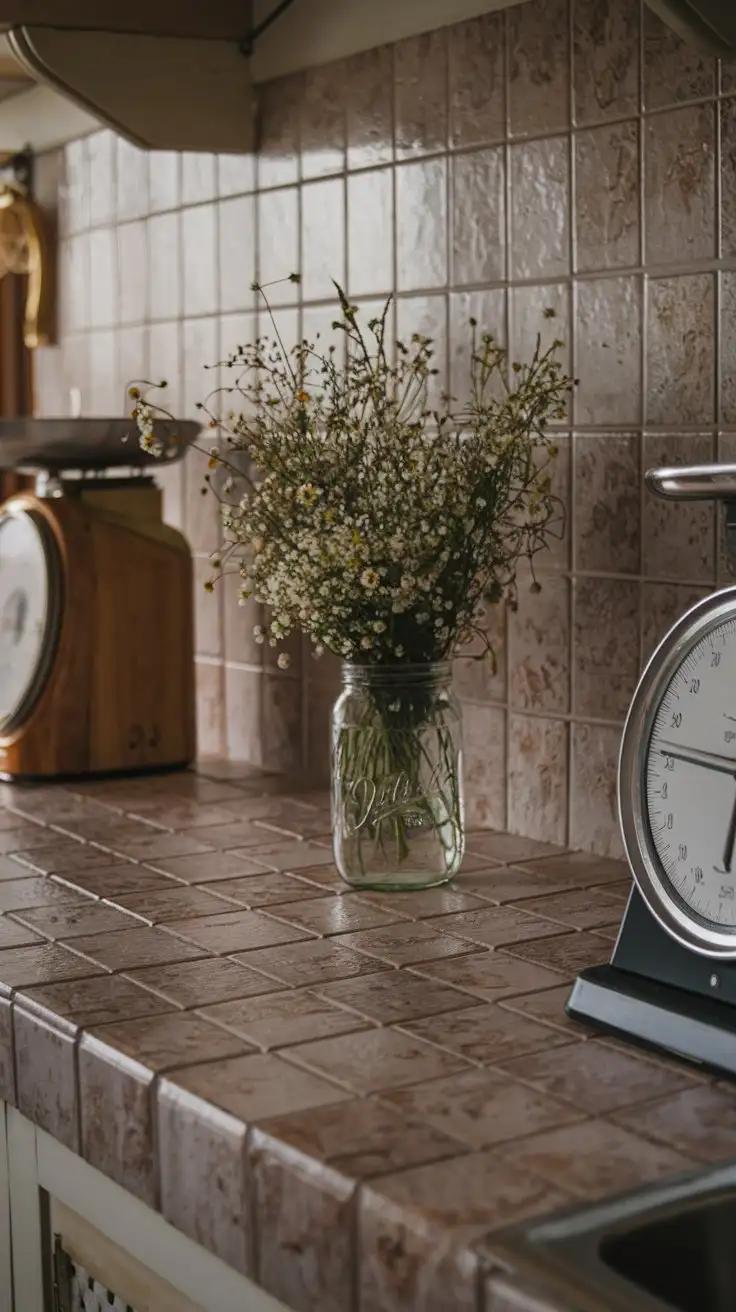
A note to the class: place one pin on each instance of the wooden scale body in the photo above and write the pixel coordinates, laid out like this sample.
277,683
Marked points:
96,631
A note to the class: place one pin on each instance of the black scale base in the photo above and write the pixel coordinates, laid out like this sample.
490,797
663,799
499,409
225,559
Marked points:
661,995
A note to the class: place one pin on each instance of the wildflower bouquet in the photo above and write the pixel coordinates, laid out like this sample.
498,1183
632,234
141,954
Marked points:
378,520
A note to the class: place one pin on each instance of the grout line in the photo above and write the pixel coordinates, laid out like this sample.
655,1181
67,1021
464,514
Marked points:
572,526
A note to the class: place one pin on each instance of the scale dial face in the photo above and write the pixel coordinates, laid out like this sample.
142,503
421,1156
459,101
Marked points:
28,613
677,779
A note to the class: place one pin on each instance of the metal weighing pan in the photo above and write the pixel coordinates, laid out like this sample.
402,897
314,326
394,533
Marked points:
30,445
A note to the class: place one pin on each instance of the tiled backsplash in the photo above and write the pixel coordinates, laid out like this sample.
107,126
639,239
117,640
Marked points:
577,160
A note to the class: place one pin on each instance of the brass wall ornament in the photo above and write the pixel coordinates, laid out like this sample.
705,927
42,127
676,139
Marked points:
24,248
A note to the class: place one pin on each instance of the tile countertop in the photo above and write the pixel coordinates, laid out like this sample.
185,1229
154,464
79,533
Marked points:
341,1095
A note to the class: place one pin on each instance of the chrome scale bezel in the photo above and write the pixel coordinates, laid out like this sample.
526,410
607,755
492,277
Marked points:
678,919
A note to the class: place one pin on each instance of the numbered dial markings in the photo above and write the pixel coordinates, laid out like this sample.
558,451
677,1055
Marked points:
24,613
691,778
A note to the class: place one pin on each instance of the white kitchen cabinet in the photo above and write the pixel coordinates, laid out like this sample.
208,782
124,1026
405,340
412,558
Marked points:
111,1238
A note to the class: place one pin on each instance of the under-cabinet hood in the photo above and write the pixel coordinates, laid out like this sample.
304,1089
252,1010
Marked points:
180,74
708,24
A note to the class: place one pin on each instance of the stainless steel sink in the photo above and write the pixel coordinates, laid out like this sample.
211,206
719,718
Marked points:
665,1248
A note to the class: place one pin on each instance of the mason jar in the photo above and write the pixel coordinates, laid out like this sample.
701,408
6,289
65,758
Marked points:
397,794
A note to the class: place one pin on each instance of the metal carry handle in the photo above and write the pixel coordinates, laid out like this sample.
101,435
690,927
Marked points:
693,482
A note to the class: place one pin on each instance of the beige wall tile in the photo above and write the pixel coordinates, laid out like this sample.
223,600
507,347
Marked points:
322,121
606,53
420,68
608,502
476,73
539,67
607,196
674,69
370,232
323,238
540,208
678,536
538,778
680,185
479,216
606,646
369,107
421,224
608,331
680,350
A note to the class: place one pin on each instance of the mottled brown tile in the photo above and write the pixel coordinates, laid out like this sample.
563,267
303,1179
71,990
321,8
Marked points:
607,196
607,502
421,225
548,1007
46,1076
23,966
14,934
177,902
282,1019
609,316
77,919
595,1158
593,811
414,1226
395,997
567,953
538,782
674,69
680,350
728,176
211,866
163,1042
25,837
484,766
127,948
486,1035
494,926
479,216
234,931
407,943
287,856
426,902
336,915
597,1078
264,890
7,1059
606,46
314,962
679,536
162,845
369,107
506,848
580,909
112,881
579,868
420,97
479,675
510,884
701,1123
95,1001
204,1176
680,186
475,53
663,603
116,1115
64,858
258,1086
372,1060
540,208
481,1108
606,646
539,67
201,983
539,646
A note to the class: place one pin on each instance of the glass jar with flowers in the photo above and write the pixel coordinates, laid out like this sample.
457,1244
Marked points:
378,518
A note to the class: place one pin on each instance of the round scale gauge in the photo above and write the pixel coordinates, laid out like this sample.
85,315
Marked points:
677,779
29,615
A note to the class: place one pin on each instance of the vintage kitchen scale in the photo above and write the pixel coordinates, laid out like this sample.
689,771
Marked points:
96,630
671,982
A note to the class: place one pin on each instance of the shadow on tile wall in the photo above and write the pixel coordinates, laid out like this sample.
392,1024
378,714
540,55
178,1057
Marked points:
573,158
